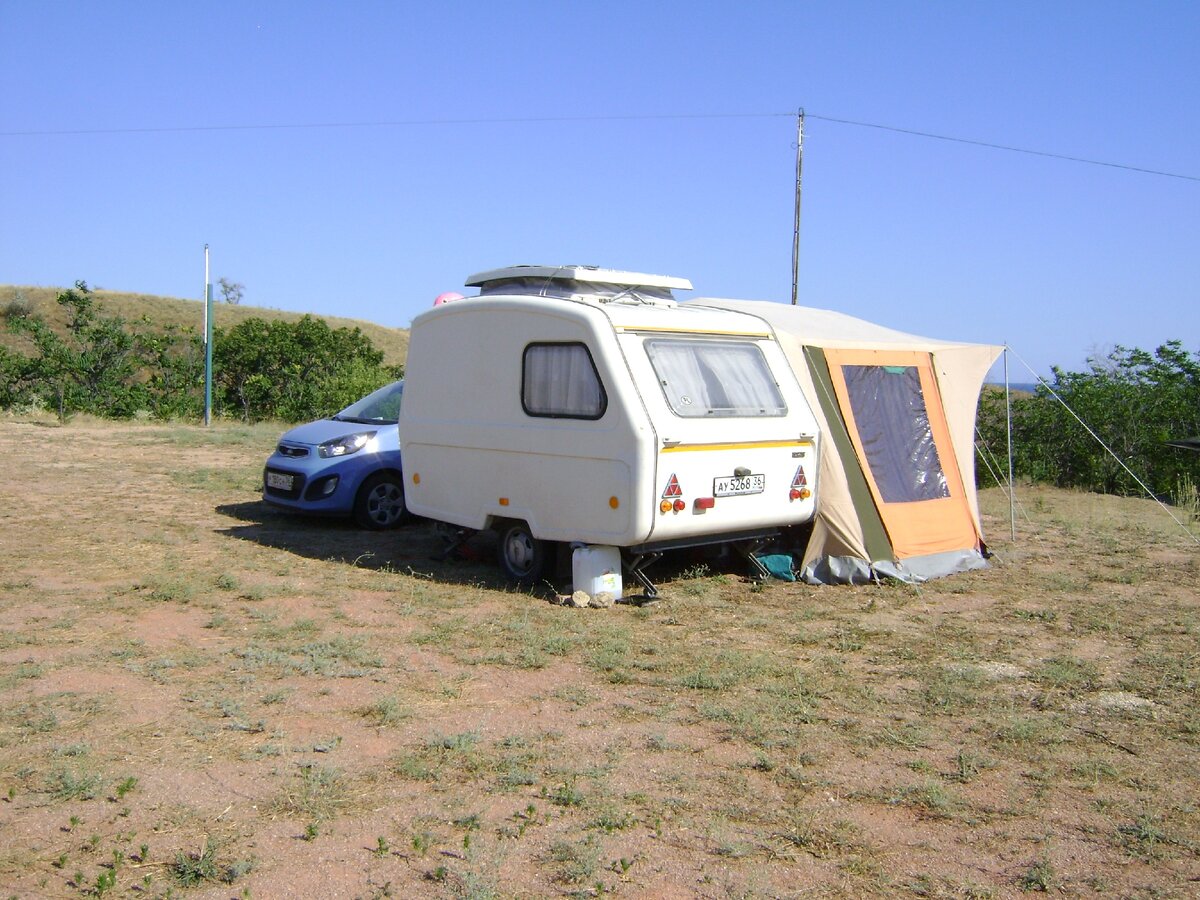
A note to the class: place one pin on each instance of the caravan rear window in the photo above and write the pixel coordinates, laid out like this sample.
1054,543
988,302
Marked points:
559,381
715,378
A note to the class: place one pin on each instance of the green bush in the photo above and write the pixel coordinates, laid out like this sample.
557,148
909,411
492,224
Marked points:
293,371
1133,400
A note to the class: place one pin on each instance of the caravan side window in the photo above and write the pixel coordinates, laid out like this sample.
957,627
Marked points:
559,381
702,378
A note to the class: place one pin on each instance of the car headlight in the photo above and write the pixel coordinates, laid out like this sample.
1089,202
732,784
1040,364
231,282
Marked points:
344,446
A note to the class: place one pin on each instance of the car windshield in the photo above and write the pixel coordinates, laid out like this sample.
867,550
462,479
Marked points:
382,405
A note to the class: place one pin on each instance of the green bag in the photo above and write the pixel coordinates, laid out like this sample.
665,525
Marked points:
779,565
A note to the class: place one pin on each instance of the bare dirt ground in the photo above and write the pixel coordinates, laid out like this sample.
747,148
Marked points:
203,697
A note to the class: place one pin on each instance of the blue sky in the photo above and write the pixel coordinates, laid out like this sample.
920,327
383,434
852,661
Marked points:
656,137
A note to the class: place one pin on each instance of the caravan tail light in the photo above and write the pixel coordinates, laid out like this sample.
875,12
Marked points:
705,502
799,490
672,497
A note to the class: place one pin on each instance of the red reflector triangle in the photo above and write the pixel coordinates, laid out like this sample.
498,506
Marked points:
800,480
673,489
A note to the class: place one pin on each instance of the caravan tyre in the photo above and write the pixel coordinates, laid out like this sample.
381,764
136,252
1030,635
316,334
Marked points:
521,555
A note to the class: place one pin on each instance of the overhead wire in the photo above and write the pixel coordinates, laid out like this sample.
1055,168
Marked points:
392,123
544,120
1006,147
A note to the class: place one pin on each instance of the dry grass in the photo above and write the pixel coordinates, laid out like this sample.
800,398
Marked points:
202,696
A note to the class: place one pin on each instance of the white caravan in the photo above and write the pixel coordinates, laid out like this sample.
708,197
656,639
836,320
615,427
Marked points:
576,405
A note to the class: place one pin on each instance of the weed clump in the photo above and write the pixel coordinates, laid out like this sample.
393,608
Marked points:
194,869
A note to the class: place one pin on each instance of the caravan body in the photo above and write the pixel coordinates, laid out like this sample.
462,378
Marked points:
588,406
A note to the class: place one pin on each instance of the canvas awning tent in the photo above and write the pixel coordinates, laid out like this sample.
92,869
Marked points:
897,496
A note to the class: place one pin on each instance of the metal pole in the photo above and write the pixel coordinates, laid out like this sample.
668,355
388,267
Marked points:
1012,486
796,229
204,308
208,335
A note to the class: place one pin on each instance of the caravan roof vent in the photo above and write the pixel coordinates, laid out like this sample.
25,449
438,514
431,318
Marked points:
578,283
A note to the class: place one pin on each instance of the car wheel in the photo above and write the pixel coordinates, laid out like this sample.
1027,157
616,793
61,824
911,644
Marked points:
380,502
521,555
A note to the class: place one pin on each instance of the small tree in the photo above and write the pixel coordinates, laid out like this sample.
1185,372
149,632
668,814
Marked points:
93,369
231,291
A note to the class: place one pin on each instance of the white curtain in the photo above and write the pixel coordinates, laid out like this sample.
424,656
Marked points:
678,371
560,380
748,383
704,378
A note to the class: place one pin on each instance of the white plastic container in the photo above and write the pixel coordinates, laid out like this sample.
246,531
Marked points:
596,569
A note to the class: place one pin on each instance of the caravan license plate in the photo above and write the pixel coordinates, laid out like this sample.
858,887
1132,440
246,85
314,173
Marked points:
732,487
280,481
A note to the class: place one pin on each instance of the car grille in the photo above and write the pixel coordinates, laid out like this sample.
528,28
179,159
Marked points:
292,452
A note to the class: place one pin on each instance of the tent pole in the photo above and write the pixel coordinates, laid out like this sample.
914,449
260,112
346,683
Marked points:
1012,487
796,227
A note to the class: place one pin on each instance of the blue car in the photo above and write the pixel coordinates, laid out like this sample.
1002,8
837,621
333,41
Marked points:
348,464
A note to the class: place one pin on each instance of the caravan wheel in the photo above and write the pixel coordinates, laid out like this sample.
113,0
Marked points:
521,555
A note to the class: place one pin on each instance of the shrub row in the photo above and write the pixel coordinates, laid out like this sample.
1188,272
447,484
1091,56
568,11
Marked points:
108,367
1133,400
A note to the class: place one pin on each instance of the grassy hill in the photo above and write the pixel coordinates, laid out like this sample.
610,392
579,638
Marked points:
166,311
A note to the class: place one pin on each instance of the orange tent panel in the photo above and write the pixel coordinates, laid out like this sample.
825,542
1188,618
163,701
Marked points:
906,454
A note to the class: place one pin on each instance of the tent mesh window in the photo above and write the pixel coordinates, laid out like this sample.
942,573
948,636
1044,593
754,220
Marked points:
893,425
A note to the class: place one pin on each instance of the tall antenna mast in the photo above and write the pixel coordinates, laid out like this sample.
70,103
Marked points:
796,230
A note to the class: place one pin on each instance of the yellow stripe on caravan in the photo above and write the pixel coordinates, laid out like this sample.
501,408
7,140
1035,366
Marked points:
736,445
637,329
